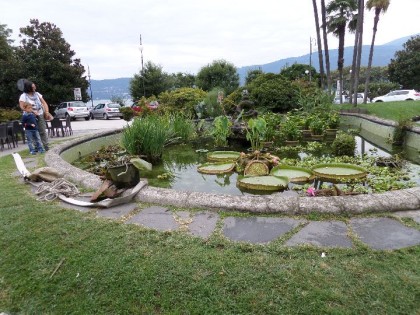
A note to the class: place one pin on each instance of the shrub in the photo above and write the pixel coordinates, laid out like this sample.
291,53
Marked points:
9,114
272,92
183,99
343,144
128,113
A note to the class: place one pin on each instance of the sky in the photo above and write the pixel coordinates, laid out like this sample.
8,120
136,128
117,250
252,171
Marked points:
186,35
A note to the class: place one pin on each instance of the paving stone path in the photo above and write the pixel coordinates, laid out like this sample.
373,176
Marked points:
380,233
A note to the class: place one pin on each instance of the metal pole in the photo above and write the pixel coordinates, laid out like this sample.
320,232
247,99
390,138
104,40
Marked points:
142,68
90,86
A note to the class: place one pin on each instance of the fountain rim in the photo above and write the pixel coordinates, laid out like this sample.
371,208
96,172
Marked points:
400,200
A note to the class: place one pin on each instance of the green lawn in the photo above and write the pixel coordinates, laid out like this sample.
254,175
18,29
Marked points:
391,110
58,261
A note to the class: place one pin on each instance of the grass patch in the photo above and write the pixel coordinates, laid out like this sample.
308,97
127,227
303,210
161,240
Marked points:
109,267
390,110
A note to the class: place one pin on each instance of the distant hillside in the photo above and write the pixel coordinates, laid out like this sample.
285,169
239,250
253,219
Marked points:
105,89
381,57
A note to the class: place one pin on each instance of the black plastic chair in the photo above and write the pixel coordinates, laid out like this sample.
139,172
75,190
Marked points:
5,137
18,131
67,126
56,125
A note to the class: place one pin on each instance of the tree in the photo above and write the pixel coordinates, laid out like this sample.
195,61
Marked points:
318,38
252,74
273,92
151,81
180,80
340,13
357,52
380,6
11,70
298,71
218,74
325,40
49,62
405,68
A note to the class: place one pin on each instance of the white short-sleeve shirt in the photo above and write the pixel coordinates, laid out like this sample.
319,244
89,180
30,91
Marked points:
35,101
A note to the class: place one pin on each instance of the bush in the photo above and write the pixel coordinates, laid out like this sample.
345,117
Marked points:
9,114
183,99
128,113
344,144
272,92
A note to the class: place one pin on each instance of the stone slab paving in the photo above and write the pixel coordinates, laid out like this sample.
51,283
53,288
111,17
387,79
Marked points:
203,224
117,212
155,217
415,215
384,233
322,233
257,230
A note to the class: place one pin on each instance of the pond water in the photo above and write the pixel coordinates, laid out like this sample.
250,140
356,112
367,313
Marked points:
178,170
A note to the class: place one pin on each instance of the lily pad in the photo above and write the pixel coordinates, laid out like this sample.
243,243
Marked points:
336,172
256,168
223,156
216,168
268,182
294,173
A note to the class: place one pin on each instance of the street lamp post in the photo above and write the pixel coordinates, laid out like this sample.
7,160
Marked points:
90,87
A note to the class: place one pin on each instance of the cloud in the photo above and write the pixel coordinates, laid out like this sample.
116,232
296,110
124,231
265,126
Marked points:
185,35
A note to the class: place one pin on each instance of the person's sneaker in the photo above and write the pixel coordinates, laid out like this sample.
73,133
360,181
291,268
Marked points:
46,148
33,152
41,151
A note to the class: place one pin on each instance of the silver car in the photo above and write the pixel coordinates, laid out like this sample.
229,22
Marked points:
75,109
398,95
106,111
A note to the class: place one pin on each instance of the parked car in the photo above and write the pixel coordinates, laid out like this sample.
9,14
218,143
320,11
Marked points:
346,99
398,95
75,109
106,111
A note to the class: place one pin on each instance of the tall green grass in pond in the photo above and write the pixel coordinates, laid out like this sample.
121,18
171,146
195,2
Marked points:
147,136
150,134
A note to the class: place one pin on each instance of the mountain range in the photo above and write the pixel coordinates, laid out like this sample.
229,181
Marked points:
105,89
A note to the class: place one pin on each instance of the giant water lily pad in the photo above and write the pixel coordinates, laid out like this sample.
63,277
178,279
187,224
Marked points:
217,156
268,182
336,172
216,168
256,168
295,174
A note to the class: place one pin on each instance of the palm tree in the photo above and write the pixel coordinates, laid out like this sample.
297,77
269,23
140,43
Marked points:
318,38
380,6
326,49
340,13
357,53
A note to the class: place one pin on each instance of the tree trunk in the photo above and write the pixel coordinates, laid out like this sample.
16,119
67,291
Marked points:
360,18
326,49
318,38
340,60
353,67
372,45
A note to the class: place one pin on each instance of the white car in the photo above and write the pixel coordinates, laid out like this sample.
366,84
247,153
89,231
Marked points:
346,99
75,109
398,95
